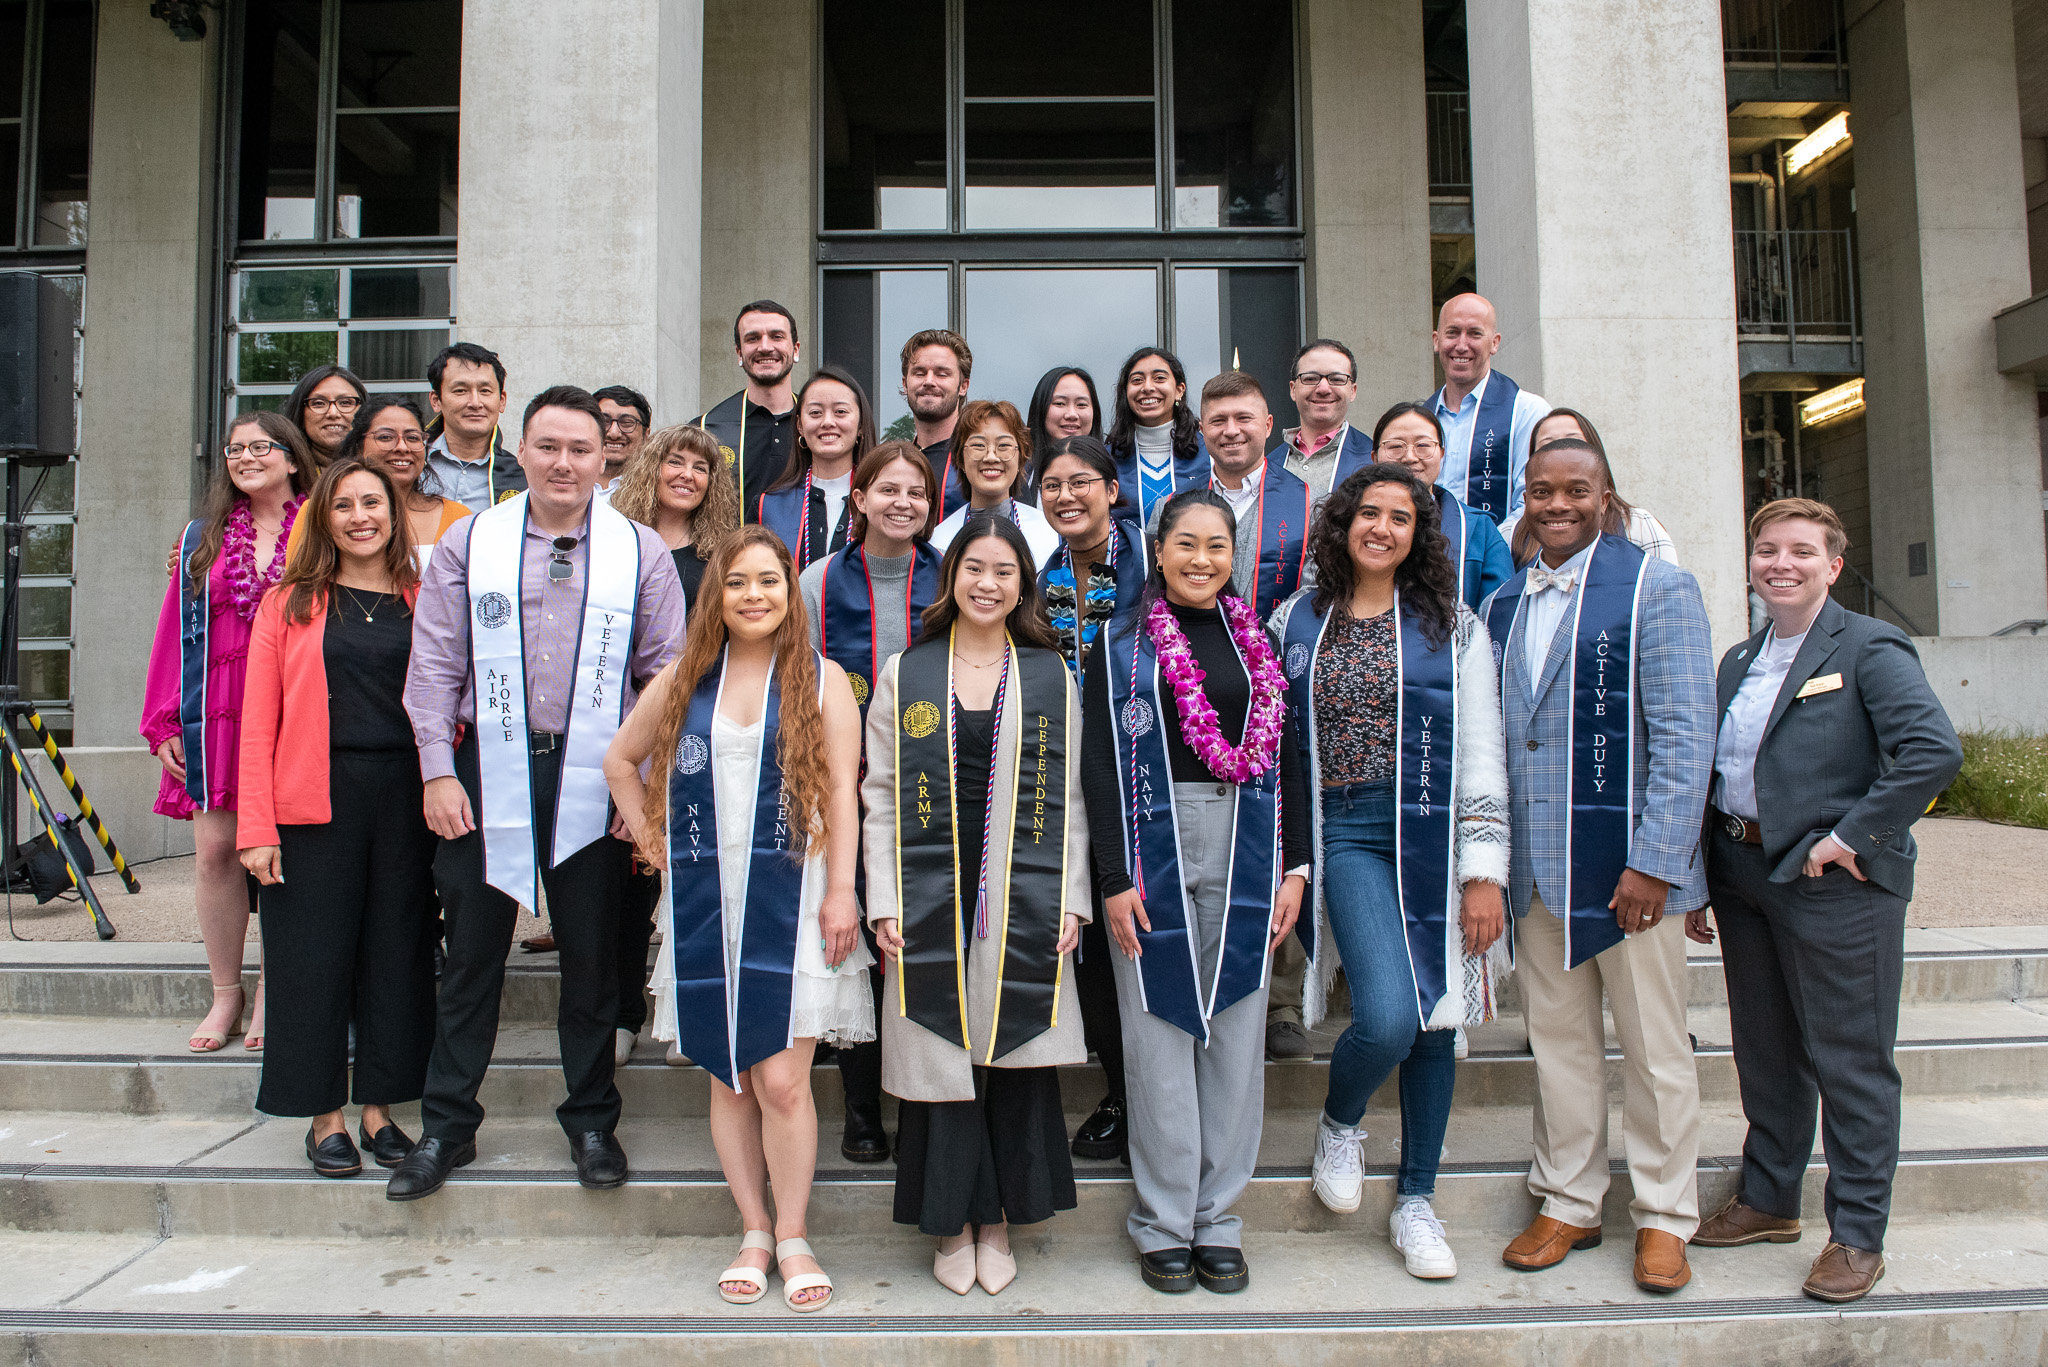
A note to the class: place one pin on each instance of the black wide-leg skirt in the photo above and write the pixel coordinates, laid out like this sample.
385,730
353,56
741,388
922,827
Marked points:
1002,1156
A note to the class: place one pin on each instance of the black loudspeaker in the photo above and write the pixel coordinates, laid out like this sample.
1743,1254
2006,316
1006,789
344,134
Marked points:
36,327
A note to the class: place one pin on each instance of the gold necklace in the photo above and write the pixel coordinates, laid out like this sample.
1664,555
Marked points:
359,602
982,664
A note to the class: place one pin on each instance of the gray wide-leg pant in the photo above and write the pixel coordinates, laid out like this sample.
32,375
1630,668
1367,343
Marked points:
1196,1111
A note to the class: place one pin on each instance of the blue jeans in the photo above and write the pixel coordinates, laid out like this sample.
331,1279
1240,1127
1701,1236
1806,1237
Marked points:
1386,1031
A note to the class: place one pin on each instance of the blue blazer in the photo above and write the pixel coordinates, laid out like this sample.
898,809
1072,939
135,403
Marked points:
1673,719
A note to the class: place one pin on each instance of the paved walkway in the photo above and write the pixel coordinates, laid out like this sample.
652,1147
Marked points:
1972,873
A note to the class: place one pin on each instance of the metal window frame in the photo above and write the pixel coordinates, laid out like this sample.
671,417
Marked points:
27,125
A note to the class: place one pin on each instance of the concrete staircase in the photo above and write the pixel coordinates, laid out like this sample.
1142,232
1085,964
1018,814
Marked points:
145,1209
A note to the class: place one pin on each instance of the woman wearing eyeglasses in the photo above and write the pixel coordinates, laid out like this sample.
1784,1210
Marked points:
995,451
323,406
1409,435
1638,524
192,698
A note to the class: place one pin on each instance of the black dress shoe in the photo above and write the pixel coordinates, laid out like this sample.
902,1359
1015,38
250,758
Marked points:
1171,1270
421,1172
1106,1133
865,1139
600,1162
1222,1269
333,1156
388,1146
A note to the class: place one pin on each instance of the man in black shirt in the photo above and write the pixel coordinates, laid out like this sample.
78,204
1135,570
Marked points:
756,428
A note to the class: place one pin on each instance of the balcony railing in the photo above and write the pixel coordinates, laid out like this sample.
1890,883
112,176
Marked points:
1450,143
1800,286
1796,32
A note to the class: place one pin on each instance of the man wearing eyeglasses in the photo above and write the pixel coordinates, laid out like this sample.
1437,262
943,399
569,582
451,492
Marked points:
465,460
539,621
1326,447
626,419
1486,417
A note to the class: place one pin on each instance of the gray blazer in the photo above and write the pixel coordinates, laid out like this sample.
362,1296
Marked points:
1864,759
1673,733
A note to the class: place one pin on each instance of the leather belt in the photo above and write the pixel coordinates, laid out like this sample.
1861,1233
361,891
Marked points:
1736,829
543,742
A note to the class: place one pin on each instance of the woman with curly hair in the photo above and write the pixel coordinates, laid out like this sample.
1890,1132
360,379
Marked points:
755,817
677,484
1392,678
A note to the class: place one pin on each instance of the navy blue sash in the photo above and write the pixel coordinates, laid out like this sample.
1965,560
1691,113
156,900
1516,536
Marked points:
1282,512
1169,968
787,513
195,617
1451,515
953,491
1188,471
846,614
1067,599
1355,455
1600,821
1425,775
1490,458
730,1017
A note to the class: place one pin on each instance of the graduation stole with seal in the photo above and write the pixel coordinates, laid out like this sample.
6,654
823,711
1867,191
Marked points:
1487,457
1600,818
730,1016
1282,513
195,622
1170,966
787,513
1425,779
497,642
934,855
846,613
1146,493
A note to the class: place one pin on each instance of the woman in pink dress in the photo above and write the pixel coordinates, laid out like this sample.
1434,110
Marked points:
192,701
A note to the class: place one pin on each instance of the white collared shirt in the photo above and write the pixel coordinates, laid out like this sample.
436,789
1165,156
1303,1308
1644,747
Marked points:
1530,409
1541,613
1742,730
1245,494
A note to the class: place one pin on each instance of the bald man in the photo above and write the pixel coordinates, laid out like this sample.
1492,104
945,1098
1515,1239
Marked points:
1487,418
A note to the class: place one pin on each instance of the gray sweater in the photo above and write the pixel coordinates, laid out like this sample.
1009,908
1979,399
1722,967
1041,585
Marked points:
890,579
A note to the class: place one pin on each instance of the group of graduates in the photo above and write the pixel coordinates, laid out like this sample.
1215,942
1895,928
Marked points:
970,754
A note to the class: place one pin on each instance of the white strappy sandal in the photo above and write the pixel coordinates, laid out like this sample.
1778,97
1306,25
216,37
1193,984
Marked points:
802,1281
756,1277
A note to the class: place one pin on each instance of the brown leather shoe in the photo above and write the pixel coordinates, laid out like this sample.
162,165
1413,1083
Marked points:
539,944
1842,1273
1660,1260
1545,1242
1736,1224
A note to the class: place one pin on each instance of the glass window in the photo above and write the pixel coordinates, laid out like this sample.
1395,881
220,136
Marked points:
1050,166
1022,323
46,676
13,49
280,119
884,114
1247,318
385,322
394,54
1233,115
394,175
46,548
868,317
46,613
290,296
1059,47
53,490
281,357
64,123
403,292
382,356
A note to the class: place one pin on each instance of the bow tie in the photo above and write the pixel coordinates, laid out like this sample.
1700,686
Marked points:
1563,579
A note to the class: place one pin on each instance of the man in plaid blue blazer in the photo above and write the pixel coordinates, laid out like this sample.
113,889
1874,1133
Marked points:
1566,614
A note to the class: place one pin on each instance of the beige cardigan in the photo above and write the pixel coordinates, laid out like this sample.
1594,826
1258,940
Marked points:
918,1065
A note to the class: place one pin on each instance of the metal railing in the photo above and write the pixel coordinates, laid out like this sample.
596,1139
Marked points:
1796,284
1450,143
1781,32
1873,595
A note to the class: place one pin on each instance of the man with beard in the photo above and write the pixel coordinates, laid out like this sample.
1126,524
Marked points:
627,415
936,368
756,428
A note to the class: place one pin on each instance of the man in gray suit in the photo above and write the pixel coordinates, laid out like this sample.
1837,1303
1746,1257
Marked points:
1607,694
1831,746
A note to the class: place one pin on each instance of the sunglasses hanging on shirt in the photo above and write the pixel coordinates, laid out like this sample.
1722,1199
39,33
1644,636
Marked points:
559,568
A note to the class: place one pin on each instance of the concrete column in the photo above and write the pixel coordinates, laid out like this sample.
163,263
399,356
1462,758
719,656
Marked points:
578,248
146,347
1955,455
761,217
1600,203
1365,144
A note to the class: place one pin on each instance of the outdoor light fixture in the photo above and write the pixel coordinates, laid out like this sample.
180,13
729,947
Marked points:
1843,399
1817,144
183,16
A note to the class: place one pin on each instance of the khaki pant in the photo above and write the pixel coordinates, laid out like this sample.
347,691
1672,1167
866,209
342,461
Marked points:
1645,981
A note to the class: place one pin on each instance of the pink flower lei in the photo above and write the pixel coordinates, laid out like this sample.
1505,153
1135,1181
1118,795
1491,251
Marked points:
238,556
1198,725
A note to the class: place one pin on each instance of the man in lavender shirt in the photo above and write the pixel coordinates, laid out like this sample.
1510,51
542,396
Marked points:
561,451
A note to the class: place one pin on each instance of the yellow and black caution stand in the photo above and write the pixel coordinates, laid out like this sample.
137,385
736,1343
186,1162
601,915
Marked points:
46,814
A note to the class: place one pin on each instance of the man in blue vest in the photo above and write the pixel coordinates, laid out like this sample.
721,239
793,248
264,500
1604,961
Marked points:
1487,418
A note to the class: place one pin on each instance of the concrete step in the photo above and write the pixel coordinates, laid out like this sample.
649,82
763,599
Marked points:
169,981
136,1067
1956,1292
100,1174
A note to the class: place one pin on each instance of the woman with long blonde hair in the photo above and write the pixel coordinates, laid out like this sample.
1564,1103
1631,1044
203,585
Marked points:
756,820
678,484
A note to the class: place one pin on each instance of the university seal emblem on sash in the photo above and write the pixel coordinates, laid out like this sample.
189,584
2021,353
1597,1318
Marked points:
860,688
494,610
729,454
692,754
1137,717
1297,659
920,719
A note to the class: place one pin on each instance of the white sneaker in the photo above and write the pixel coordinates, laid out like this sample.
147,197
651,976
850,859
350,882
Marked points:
1419,1235
1338,1172
1460,1046
622,1046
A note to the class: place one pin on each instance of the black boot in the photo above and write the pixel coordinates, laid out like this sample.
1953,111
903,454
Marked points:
1106,1133
865,1139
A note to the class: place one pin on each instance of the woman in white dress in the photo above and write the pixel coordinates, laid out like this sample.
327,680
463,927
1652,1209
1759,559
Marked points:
756,821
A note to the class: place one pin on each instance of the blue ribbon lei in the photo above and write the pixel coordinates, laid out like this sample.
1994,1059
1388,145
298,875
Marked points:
1169,968
730,1016
1600,820
195,618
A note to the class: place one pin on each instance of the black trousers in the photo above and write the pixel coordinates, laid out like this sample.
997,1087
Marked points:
1102,1022
585,894
1814,969
636,933
349,935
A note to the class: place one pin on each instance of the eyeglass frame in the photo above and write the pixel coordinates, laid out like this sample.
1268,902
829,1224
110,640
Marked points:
1078,485
1420,446
1312,378
236,448
346,403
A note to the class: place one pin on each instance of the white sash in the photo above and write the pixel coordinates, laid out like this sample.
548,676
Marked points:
498,658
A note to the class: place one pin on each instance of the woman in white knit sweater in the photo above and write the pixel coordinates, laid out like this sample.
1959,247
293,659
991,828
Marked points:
1393,682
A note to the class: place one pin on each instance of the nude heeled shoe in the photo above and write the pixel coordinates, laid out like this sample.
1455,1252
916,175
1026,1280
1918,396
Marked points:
956,1271
993,1267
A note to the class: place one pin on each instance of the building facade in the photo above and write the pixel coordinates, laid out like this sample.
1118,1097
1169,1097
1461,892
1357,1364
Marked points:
1773,247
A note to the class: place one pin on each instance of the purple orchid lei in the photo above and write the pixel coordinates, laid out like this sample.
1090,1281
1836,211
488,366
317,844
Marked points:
238,554
1198,723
